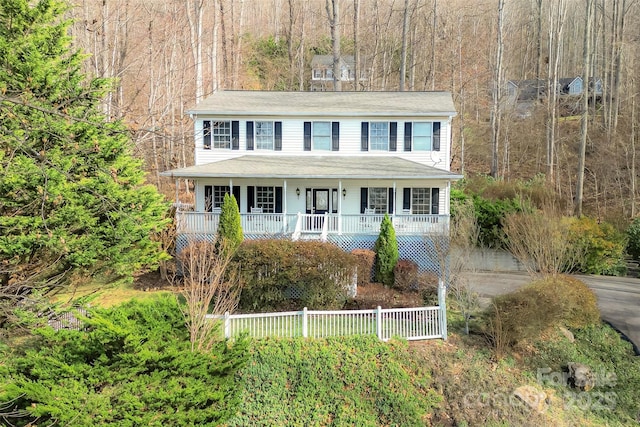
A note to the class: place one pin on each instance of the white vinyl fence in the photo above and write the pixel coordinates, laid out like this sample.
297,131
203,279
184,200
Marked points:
420,323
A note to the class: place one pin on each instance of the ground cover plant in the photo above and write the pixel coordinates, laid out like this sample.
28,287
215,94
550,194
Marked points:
133,365
339,381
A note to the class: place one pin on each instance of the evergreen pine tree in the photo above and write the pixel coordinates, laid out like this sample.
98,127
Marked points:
73,199
387,253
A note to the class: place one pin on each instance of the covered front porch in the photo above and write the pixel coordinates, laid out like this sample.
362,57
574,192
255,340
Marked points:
313,226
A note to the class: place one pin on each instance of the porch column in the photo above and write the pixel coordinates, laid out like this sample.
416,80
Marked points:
340,207
284,206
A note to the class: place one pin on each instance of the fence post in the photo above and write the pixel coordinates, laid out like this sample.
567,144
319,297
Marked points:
379,322
443,309
227,325
304,323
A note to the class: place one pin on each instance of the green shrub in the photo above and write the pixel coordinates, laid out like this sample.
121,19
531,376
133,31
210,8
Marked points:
405,275
387,252
342,381
132,366
633,239
365,259
285,275
230,225
529,311
602,244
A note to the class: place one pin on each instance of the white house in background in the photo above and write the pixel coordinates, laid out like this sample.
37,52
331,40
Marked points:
324,165
322,73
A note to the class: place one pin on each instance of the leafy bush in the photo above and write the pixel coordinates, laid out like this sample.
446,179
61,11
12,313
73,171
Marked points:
282,274
603,246
387,252
527,312
405,275
633,239
132,366
365,260
354,381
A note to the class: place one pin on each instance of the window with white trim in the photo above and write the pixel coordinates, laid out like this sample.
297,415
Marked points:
321,135
266,199
378,199
214,196
264,135
216,134
317,73
421,201
422,136
379,136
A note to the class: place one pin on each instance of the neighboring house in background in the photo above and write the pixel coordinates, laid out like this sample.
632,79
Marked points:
325,166
523,95
322,73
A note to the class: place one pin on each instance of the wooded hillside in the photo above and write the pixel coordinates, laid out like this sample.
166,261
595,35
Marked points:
168,54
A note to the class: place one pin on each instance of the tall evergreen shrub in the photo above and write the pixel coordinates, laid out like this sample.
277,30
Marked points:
387,252
230,226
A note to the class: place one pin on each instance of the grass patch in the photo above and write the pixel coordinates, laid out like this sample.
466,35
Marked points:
103,294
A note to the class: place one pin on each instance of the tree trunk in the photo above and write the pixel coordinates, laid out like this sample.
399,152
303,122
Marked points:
496,112
333,14
586,57
403,58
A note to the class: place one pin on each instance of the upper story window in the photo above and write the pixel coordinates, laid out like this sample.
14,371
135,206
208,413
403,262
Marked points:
216,134
264,135
329,74
422,136
379,136
321,135
422,132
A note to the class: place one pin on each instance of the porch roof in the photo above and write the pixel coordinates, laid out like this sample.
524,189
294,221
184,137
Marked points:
305,167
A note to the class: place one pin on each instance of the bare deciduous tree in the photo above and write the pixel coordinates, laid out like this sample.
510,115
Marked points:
209,287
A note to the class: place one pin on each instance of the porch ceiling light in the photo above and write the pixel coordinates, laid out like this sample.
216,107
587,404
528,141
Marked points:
344,193
298,192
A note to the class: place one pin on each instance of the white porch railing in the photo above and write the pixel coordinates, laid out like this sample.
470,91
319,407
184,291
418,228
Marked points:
322,225
419,323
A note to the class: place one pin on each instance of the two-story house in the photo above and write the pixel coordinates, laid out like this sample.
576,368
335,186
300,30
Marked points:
324,165
322,73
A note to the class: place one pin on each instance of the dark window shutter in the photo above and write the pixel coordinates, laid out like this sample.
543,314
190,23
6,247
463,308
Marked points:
278,200
208,198
236,194
364,199
206,134
307,136
235,135
435,201
390,201
364,137
277,133
249,135
250,198
335,136
393,136
407,136
406,198
436,136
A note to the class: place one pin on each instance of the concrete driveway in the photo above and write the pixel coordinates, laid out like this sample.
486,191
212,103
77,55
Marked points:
618,297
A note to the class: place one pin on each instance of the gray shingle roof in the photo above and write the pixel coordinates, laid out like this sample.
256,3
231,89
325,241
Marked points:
335,167
344,104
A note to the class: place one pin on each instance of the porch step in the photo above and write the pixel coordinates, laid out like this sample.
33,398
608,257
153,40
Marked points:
310,236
